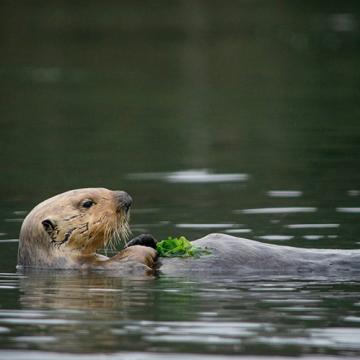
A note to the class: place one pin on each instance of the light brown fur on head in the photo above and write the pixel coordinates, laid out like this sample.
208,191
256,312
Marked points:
71,226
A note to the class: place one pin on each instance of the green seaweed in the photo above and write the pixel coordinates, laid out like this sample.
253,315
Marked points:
182,247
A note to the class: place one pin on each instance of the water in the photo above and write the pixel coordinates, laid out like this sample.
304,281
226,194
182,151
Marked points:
240,119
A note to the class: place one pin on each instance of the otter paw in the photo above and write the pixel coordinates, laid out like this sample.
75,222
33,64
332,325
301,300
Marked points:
141,254
144,240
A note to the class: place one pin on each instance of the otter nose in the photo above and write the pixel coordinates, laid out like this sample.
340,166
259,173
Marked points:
124,200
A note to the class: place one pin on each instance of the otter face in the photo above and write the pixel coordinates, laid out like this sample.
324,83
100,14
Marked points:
78,221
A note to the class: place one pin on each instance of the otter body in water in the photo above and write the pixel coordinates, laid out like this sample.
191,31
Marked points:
65,232
238,256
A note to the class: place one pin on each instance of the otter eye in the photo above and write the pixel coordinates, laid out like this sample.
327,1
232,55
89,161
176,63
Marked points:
87,204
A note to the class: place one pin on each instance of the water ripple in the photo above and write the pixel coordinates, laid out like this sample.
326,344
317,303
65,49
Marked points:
354,210
313,237
312,226
276,237
206,226
238,231
45,355
190,176
284,193
277,210
35,339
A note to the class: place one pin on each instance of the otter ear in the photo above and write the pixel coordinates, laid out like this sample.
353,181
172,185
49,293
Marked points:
49,226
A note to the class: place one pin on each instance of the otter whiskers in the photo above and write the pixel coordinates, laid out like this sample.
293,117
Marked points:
116,232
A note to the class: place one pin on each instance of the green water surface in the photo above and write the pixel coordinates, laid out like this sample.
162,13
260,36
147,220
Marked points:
240,117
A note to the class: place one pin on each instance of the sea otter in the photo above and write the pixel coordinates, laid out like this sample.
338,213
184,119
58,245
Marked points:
65,232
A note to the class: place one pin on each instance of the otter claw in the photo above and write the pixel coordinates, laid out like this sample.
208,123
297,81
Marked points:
144,240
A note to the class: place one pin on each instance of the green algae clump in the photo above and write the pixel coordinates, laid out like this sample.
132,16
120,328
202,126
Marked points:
181,247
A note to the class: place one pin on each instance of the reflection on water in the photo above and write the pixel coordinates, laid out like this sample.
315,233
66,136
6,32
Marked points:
313,226
349,209
240,119
284,193
190,176
206,226
279,210
61,311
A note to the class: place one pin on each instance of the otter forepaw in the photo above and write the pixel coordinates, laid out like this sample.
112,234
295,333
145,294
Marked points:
141,254
144,240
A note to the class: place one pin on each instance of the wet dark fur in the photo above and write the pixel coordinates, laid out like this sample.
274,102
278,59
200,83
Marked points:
243,257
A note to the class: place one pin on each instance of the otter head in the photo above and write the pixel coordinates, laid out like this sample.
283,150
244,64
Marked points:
72,224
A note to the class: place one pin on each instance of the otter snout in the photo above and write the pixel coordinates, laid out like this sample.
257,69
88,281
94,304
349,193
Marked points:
124,200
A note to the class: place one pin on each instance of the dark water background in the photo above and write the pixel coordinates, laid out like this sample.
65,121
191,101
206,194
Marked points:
212,115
